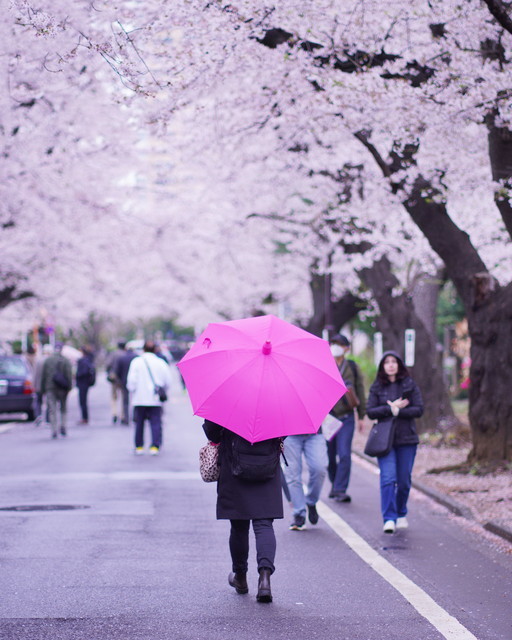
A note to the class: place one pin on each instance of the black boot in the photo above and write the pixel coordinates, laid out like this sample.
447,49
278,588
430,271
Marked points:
239,582
264,593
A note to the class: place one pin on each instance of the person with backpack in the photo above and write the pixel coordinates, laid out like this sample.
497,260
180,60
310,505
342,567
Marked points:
248,491
85,379
339,448
56,383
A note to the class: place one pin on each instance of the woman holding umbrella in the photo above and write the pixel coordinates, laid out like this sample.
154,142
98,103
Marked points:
255,381
242,499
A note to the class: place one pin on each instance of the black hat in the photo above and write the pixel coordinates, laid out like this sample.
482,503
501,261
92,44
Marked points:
339,338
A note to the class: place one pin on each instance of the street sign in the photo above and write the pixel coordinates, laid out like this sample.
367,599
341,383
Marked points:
410,344
377,348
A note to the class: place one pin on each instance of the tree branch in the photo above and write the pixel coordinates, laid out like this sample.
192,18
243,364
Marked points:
500,13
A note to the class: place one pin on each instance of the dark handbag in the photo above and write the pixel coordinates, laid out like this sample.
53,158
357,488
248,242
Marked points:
160,391
380,438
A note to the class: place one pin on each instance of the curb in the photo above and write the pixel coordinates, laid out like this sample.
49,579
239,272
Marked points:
452,505
499,529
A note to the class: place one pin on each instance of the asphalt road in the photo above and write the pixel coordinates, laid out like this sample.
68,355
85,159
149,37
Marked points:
98,544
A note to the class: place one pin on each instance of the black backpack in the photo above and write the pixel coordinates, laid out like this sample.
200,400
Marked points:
60,379
92,374
255,462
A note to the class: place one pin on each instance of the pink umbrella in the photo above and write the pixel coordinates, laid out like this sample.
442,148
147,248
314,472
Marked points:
261,378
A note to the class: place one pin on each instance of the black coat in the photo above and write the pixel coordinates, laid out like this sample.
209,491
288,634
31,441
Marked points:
122,365
240,499
378,409
85,371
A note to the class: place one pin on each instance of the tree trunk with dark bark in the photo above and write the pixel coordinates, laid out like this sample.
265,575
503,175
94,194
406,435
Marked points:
490,397
397,313
342,310
489,311
500,155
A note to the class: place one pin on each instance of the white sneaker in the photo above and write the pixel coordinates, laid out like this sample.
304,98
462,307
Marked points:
139,451
389,526
401,523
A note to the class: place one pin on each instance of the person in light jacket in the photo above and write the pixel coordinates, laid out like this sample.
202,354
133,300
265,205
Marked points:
395,394
147,372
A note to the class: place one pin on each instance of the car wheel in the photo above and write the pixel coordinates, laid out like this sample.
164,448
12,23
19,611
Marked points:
31,416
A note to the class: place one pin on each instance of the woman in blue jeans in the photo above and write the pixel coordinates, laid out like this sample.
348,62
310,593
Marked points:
394,393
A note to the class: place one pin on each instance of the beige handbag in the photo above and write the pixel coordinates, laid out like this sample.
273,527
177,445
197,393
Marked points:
209,462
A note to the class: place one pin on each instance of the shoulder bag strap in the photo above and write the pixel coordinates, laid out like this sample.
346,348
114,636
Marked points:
149,371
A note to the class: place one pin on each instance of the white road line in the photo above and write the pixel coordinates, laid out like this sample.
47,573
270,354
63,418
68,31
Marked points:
448,626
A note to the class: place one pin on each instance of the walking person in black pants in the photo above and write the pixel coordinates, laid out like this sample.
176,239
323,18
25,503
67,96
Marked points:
242,501
85,379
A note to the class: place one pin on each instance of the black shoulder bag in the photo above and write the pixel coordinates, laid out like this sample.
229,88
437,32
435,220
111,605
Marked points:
160,391
380,438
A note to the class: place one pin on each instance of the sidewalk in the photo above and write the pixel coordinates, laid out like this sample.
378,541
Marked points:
484,500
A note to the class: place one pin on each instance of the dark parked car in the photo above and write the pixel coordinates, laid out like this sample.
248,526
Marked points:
16,387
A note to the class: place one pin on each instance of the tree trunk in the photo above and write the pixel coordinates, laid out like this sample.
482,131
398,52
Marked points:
489,311
500,155
397,313
425,296
342,310
490,397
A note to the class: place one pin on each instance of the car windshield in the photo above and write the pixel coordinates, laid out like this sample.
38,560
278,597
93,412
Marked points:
12,367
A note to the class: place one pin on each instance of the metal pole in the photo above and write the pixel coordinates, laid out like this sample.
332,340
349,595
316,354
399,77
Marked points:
328,323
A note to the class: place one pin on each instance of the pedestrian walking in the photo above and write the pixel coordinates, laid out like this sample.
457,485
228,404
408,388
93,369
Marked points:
312,448
116,390
394,393
146,374
245,500
121,368
47,350
85,379
339,448
56,382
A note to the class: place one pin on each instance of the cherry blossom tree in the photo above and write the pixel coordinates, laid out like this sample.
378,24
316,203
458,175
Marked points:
261,105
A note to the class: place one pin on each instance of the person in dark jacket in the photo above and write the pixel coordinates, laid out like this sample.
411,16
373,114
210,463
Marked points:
339,448
85,378
56,394
121,369
394,393
243,501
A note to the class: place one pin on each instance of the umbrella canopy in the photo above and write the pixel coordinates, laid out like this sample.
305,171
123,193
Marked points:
261,378
71,353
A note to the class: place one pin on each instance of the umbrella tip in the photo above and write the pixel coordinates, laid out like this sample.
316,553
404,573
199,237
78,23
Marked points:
266,348
207,342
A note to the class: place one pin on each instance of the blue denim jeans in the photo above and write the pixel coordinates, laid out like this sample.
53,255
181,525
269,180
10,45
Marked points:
395,481
315,453
340,455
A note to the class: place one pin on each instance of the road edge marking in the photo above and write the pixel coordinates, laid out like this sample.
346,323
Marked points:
447,625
